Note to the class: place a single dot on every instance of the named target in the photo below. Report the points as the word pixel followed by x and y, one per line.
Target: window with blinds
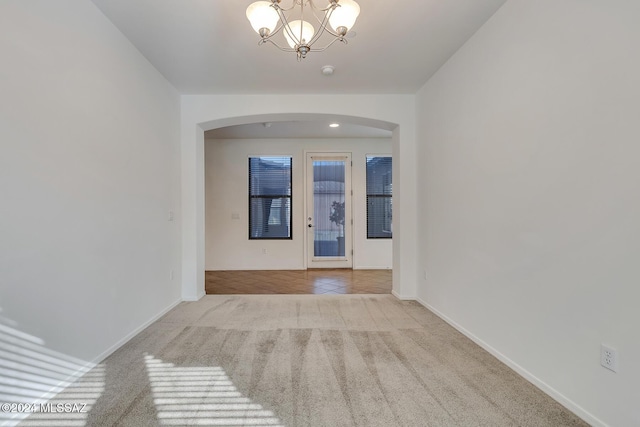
pixel 379 200
pixel 270 197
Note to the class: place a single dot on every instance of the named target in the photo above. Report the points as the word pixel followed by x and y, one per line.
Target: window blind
pixel 379 197
pixel 270 197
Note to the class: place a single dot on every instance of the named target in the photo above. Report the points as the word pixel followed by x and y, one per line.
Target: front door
pixel 328 210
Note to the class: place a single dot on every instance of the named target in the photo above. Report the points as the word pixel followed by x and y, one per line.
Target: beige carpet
pixel 304 360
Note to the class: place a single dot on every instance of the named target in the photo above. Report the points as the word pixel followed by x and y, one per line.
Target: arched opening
pixel 241 236
pixel 229 111
pixel 306 207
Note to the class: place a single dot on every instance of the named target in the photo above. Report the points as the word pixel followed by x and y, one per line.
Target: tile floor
pixel 318 281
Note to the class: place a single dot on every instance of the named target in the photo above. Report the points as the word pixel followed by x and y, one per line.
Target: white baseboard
pixel 84 367
pixel 133 333
pixel 402 297
pixel 553 393
pixel 251 268
pixel 374 267
pixel 197 298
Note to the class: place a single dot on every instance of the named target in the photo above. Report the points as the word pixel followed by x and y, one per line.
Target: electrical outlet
pixel 171 275
pixel 424 274
pixel 609 357
pixel 264 251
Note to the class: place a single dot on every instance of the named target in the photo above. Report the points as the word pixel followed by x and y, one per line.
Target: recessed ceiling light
pixel 334 125
pixel 327 70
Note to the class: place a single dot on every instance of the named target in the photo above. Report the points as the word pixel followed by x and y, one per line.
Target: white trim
pixel 373 267
pixel 401 297
pixel 544 387
pixel 87 366
pixel 268 268
pixel 133 333
pixel 197 298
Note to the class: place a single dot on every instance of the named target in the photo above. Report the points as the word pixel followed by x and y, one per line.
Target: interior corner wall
pixel 89 172
pixel 530 193
pixel 227 245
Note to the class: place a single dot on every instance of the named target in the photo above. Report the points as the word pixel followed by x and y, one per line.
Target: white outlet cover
pixel 609 357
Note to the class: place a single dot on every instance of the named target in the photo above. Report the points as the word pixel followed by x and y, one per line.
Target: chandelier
pixel 268 18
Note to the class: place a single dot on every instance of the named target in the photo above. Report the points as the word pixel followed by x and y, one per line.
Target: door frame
pixel 328 262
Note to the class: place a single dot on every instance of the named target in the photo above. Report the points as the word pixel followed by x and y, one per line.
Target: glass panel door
pixel 329 210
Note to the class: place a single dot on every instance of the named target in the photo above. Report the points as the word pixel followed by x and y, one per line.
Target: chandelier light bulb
pixel 261 15
pixel 270 19
pixel 344 15
pixel 307 33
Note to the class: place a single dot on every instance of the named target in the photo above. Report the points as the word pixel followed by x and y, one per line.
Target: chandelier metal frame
pixel 303 47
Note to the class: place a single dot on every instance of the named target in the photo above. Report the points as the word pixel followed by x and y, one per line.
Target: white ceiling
pixel 208 46
pixel 297 129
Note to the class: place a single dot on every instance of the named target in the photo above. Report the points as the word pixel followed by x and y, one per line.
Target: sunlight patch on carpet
pixel 202 396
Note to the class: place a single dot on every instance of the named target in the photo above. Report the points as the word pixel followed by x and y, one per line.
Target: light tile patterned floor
pixel 317 281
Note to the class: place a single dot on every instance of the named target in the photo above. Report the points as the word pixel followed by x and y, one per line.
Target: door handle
pixel 309 225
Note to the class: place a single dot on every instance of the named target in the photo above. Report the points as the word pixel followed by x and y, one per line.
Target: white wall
pixel 531 195
pixel 89 169
pixel 204 112
pixel 227 244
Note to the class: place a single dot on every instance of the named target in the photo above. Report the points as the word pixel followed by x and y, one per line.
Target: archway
pixel 222 111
